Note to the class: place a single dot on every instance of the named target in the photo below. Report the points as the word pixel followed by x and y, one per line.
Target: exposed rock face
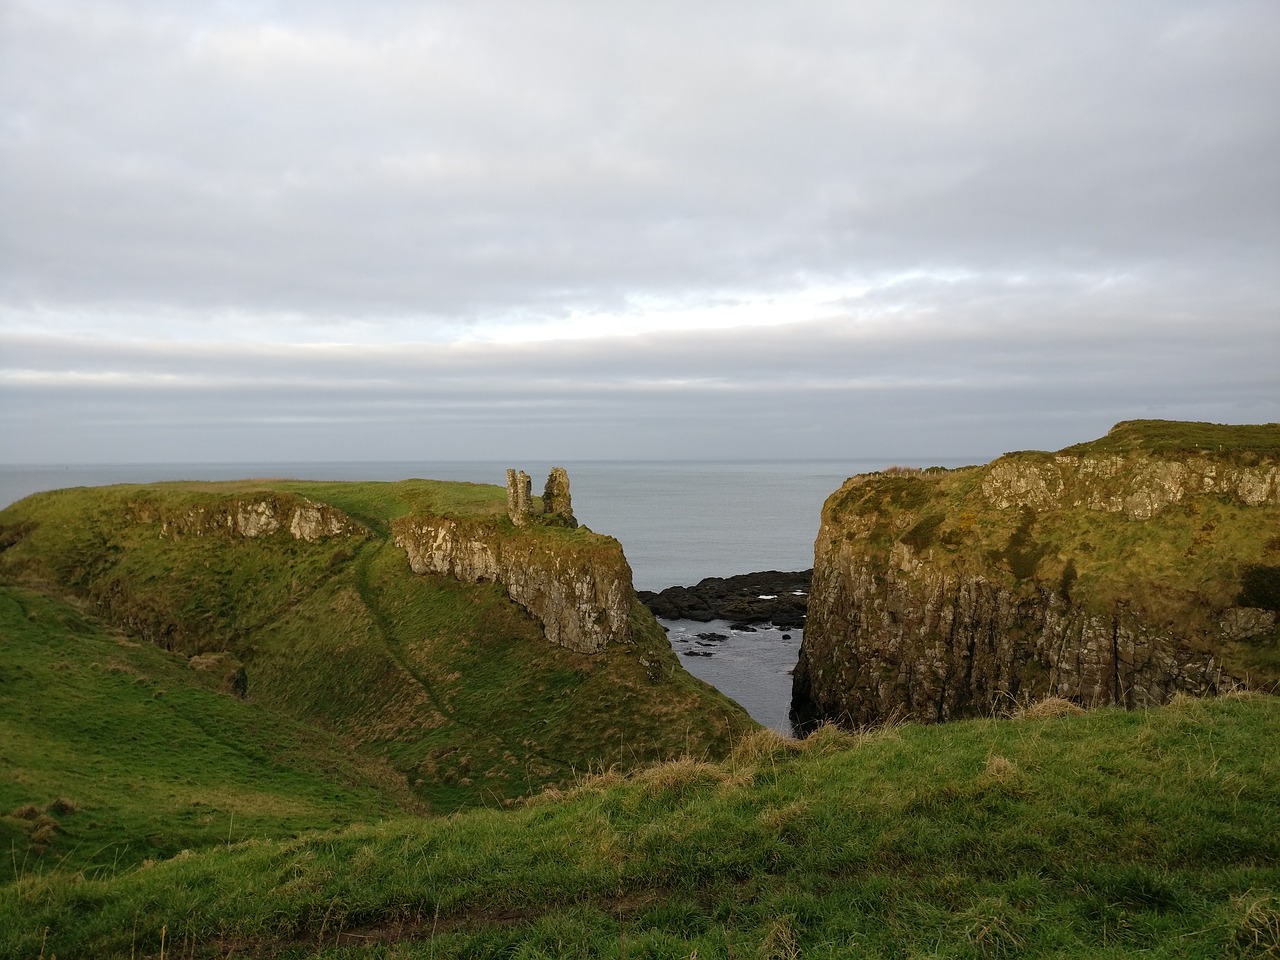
pixel 1097 576
pixel 578 586
pixel 1116 484
pixel 257 516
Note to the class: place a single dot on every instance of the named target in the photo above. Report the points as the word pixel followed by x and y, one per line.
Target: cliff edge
pixel 1119 571
pixel 576 584
pixel 526 660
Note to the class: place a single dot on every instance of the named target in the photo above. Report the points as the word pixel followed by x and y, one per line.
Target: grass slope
pixel 112 752
pixel 1112 834
pixel 451 685
pixel 1244 443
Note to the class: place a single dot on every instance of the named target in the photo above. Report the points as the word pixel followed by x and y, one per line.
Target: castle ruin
pixel 556 507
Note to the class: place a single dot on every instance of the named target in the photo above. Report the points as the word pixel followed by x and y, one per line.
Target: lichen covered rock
pixel 1104 573
pixel 258 515
pixel 578 585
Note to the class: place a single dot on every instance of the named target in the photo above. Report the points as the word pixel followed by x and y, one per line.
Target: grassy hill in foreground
pixel 113 751
pixel 1110 834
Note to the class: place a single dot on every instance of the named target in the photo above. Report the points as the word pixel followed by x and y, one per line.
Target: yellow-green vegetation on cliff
pixel 1111 834
pixel 1117 571
pixel 289 606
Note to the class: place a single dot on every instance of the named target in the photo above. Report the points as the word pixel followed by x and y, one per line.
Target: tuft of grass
pixel 765 744
pixel 1048 708
pixel 1256 931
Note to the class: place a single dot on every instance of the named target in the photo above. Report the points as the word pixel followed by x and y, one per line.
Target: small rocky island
pixel 770 596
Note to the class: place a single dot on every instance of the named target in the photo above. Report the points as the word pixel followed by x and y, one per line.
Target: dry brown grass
pixel 999 770
pixel 763 744
pixel 1049 708
pixel 675 776
pixel 829 738
pixel 1257 932
pixel 791 814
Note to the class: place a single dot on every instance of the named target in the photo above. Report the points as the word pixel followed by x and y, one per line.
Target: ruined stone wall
pixel 556 507
pixel 519 497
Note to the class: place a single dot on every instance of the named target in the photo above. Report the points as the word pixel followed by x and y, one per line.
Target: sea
pixel 679 521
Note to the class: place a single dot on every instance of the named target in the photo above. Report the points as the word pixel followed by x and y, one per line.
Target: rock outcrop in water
pixel 769 596
pixel 1120 571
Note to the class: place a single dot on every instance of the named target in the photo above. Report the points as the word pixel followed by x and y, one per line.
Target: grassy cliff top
pixel 374 503
pixel 1175 438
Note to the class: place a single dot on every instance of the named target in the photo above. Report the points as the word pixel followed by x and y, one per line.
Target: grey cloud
pixel 841 388
pixel 446 162
pixel 1034 219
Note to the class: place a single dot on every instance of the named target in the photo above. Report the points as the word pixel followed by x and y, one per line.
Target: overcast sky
pixel 380 230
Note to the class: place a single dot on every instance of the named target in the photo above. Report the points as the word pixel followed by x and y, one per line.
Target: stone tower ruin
pixel 557 505
pixel 556 502
pixel 519 497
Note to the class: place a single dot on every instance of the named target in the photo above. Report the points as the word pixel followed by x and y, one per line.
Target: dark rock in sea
pixel 742 628
pixel 770 596
pixel 715 637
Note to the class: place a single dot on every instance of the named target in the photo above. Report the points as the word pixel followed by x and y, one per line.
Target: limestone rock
pixel 255 516
pixel 580 591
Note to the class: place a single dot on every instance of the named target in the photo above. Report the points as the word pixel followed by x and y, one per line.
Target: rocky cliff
pixel 1120 571
pixel 577 583
pixel 293 595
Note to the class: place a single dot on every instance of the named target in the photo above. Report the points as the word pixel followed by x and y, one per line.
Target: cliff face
pixel 577 584
pixel 1118 572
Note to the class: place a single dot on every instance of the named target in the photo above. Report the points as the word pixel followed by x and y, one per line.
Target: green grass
pixel 368 796
pixel 377 503
pixel 1246 443
pixel 450 685
pixel 1112 834
pixel 113 751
